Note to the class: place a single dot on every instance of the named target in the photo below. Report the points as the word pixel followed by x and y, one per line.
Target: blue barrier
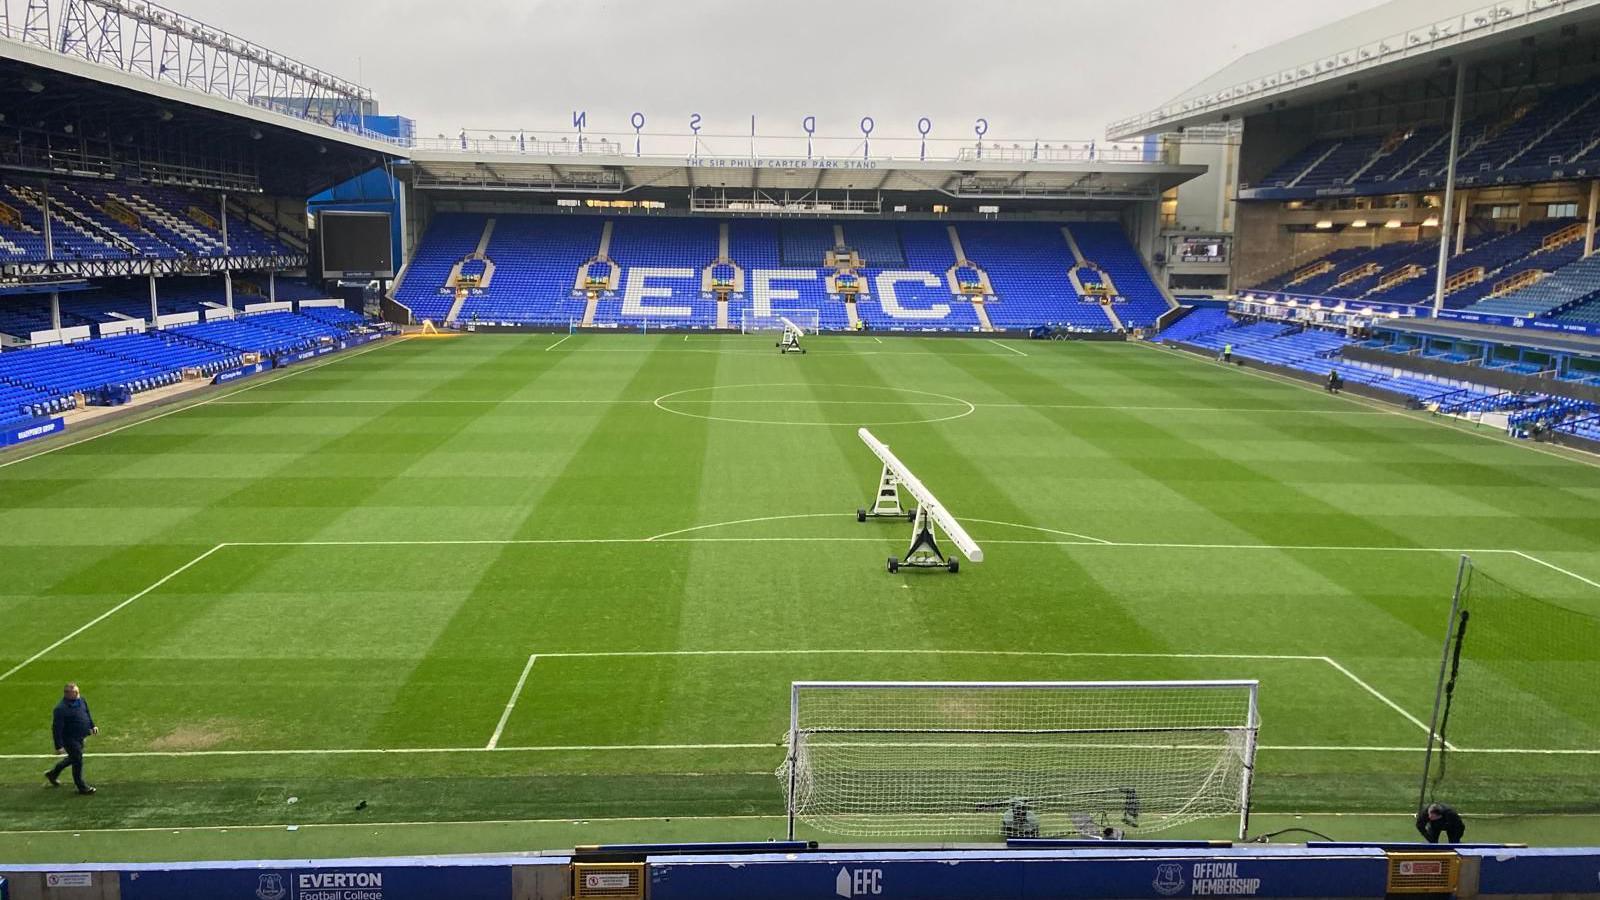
pixel 354 879
pixel 384 878
pixel 1020 875
pixel 31 430
pixel 1119 871
pixel 1551 871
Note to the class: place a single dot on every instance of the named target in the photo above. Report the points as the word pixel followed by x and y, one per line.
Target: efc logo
pixel 1169 879
pixel 858 883
pixel 270 887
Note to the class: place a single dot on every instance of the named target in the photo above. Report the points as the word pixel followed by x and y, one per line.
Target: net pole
pixel 1252 725
pixel 794 751
pixel 1463 572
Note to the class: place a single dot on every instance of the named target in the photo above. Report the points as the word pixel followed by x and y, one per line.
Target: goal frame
pixel 809 320
pixel 1251 727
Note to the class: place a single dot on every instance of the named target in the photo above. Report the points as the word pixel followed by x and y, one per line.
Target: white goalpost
pixel 802 322
pixel 1018 759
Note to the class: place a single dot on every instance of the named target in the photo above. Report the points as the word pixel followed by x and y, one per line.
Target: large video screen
pixel 356 244
pixel 1213 250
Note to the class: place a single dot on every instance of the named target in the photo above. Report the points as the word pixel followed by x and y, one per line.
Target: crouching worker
pixel 1439 819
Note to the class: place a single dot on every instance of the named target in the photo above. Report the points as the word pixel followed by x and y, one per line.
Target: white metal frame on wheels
pixel 924 552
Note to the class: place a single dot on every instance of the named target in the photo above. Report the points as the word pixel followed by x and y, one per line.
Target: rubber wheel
pixel 861 515
pixel 894 565
pixel 911 515
pixel 802 351
pixel 955 566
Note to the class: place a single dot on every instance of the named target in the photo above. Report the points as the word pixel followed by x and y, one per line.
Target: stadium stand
pixel 1557 128
pixel 1318 352
pixel 1106 246
pixel 1569 285
pixel 119 221
pixel 538 258
pixel 116 299
pixel 1490 257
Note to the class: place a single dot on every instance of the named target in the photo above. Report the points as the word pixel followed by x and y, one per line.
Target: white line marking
pixel 664 402
pixel 112 611
pixel 878 339
pixel 1549 565
pixel 569 337
pixel 333 401
pixel 1006 347
pixel 671 748
pixel 872 651
pixel 663 539
pixel 1385 700
pixel 505 717
pixel 667 534
pixel 1041 528
pixel 183 407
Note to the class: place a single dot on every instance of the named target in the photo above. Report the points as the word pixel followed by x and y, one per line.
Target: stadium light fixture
pixel 1393 223
pixel 1359 223
pixel 1325 224
pixel 1430 222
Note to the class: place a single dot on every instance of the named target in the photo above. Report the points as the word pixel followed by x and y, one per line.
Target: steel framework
pixel 147 39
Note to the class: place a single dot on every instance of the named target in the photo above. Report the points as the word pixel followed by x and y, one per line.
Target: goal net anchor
pixel 926 519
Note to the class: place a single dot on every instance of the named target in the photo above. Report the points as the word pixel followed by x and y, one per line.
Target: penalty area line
pixel 112 611
pixel 505 717
pixel 1384 699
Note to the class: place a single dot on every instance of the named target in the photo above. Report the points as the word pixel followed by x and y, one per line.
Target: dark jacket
pixel 72 722
pixel 1449 824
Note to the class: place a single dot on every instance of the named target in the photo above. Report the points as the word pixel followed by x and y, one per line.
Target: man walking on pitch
pixel 71 725
pixel 1439 818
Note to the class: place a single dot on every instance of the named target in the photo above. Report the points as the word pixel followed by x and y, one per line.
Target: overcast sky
pixel 1046 69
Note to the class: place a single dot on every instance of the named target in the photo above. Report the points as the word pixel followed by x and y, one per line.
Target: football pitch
pixel 522 591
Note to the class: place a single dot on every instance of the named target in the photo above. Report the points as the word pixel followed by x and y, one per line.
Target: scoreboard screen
pixel 1201 250
pixel 356 244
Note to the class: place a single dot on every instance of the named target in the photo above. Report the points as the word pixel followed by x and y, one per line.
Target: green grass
pixel 310 597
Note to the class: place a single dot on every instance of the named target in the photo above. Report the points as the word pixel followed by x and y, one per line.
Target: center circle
pixel 805 403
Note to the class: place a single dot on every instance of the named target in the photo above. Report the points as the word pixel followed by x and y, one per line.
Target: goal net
pixel 809 321
pixel 1517 715
pixel 1019 759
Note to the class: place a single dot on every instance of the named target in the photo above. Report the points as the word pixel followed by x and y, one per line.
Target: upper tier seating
pixel 1568 285
pixel 164 224
pixel 1560 127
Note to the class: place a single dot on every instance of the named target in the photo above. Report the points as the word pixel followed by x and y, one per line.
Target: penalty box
pixel 395 644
